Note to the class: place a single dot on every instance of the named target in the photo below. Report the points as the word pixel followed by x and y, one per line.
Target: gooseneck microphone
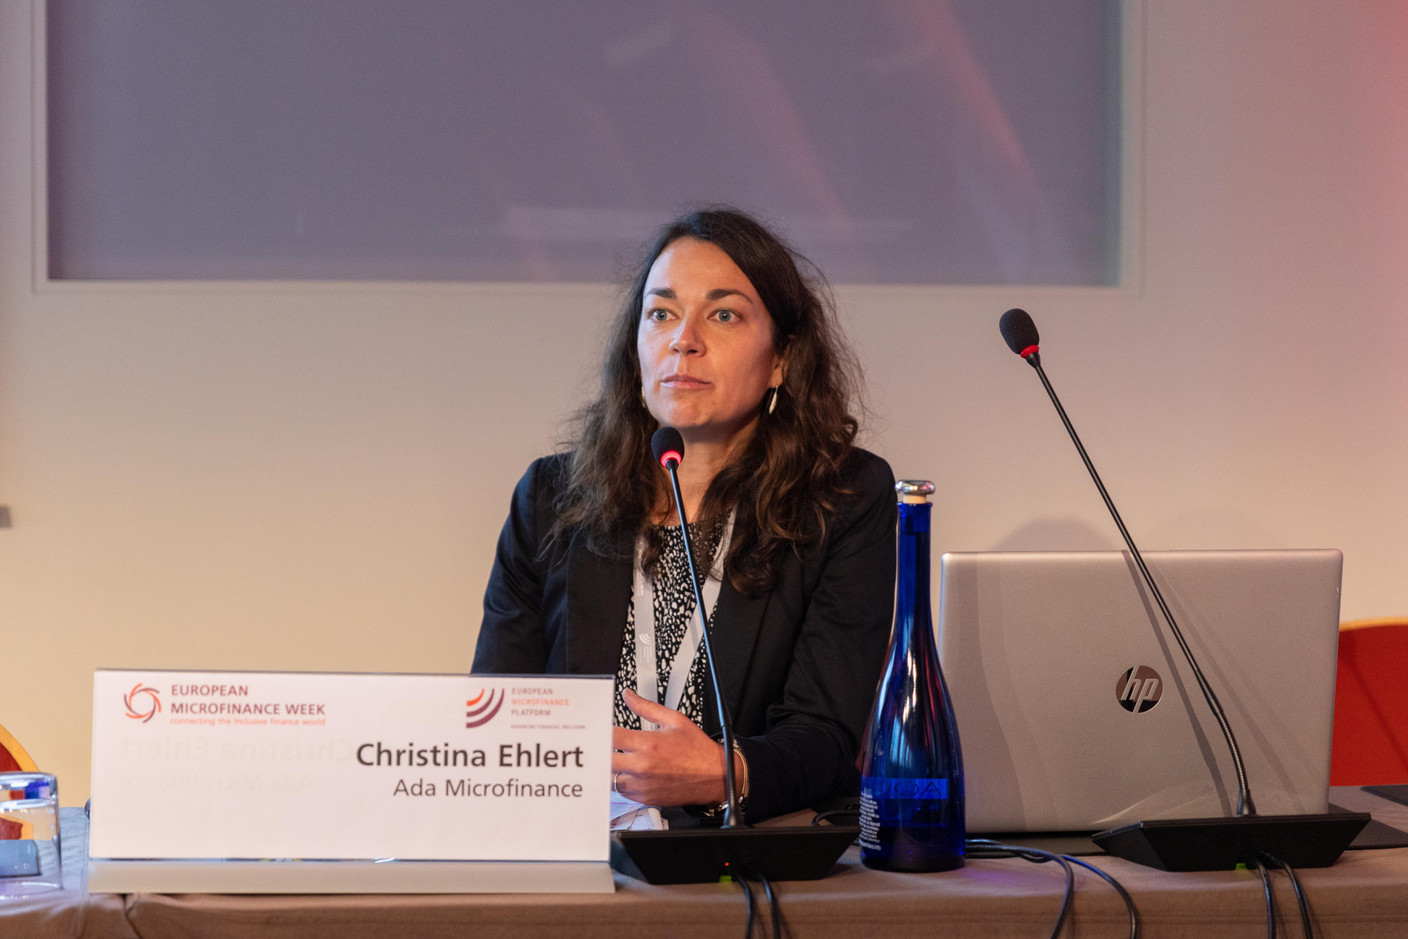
pixel 1196 844
pixel 1021 335
pixel 1020 332
pixel 668 446
pixel 702 855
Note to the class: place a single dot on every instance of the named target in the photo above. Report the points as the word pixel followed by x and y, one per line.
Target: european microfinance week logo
pixel 143 703
pixel 480 709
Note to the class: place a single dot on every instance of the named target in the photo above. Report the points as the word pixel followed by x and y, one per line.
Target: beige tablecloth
pixel 1365 895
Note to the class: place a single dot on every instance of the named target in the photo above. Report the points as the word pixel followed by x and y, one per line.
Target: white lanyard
pixel 643 592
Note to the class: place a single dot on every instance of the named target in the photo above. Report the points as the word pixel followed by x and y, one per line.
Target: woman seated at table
pixel 722 338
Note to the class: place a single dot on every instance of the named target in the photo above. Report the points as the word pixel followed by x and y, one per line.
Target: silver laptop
pixel 1077 712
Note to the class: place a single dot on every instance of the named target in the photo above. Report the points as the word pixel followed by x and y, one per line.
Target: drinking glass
pixel 29 834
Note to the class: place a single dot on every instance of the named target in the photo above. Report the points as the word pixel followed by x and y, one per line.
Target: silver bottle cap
pixel 914 491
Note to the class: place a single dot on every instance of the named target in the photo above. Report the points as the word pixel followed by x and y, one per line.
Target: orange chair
pixel 12 759
pixel 12 755
pixel 1370 746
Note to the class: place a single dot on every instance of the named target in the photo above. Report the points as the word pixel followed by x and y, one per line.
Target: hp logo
pixel 1139 689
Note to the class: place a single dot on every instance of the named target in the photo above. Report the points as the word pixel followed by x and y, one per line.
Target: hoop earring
pixel 773 395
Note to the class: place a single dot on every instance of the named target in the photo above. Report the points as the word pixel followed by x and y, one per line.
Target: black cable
pixel 981 847
pixel 820 817
pixel 776 909
pixel 1119 888
pixel 1300 894
pixel 752 906
pixel 1270 899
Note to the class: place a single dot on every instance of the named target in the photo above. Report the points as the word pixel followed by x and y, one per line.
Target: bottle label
pixel 885 787
pixel 869 822
pixel 891 804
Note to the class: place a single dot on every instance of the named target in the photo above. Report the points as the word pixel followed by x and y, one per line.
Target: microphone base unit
pixel 704 855
pixel 1220 844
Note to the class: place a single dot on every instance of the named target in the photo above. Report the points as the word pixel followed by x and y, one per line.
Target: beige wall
pixel 311 476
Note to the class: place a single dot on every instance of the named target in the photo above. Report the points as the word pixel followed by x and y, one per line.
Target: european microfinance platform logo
pixel 143 703
pixel 480 709
pixel 1139 689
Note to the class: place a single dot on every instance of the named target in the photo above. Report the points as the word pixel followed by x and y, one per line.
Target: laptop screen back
pixel 1077 711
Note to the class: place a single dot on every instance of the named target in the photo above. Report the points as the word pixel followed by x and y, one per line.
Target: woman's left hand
pixel 678 764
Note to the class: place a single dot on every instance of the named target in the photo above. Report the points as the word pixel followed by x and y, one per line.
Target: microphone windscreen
pixel 667 440
pixel 1019 330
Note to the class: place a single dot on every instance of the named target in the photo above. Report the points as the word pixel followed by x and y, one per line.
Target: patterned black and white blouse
pixel 674 609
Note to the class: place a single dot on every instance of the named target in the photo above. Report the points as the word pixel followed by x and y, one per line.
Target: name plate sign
pixel 228 765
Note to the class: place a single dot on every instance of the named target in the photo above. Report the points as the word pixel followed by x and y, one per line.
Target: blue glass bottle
pixel 911 797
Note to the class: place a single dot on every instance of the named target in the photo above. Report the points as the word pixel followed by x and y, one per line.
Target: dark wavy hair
pixel 789 473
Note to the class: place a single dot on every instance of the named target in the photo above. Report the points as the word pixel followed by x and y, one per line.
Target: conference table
pixel 1364 895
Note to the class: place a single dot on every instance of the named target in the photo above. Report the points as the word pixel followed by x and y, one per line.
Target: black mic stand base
pixel 1220 844
pixel 704 855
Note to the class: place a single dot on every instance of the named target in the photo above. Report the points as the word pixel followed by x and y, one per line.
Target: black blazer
pixel 798 666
